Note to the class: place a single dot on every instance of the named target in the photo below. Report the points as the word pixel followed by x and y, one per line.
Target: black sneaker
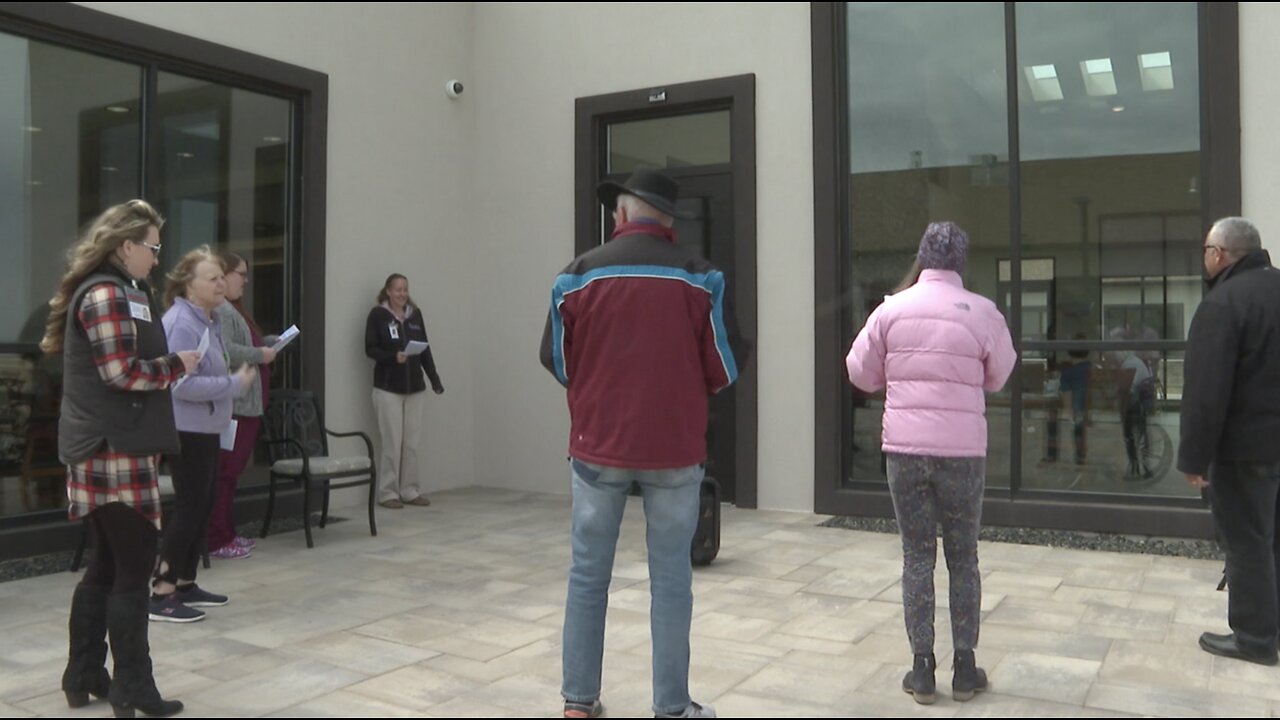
pixel 692 710
pixel 192 596
pixel 170 609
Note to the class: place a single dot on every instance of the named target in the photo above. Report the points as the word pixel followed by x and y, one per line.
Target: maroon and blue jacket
pixel 640 334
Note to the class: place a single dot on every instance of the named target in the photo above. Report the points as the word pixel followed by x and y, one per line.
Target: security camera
pixel 453 88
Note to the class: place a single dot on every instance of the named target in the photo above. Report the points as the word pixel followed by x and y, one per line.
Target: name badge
pixel 395 331
pixel 139 307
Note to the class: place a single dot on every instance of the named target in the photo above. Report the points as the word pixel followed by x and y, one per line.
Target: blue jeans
pixel 671 516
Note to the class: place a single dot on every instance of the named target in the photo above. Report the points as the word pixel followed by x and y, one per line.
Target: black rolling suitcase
pixel 706 538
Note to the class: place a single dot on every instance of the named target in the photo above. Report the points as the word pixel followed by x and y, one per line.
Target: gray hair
pixel 637 208
pixel 1236 235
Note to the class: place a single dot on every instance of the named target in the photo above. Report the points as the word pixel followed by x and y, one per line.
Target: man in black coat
pixel 1231 429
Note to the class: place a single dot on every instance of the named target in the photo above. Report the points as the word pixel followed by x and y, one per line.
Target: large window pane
pixel 69 143
pixel 69 136
pixel 1109 110
pixel 221 180
pixel 928 141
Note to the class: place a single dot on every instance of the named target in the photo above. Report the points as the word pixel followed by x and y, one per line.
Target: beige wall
pixel 531 63
pixel 474 198
pixel 400 172
pixel 1259 109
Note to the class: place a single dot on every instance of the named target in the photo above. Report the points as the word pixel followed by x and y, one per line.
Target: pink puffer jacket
pixel 937 346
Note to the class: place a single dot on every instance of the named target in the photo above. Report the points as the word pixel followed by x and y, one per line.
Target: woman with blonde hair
pixel 202 412
pixel 116 420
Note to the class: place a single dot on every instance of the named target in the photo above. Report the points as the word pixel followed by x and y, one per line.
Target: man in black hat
pixel 1230 422
pixel 639 333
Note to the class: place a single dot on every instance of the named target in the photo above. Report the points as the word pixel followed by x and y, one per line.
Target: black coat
pixel 384 336
pixel 1231 393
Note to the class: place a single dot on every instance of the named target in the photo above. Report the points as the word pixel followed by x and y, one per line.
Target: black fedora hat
pixel 650 186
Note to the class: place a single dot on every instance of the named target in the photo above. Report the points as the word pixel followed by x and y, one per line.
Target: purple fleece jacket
pixel 202 400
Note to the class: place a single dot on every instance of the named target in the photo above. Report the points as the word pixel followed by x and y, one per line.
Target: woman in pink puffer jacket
pixel 935 348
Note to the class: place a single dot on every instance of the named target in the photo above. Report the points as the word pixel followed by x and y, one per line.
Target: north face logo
pixel 963 306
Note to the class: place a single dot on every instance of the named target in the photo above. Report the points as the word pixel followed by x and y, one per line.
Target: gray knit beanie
pixel 943 247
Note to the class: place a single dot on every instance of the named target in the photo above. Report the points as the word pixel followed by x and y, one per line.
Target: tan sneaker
pixel 393 503
pixel 420 501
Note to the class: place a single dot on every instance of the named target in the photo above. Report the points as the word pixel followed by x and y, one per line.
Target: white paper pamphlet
pixel 203 347
pixel 286 337
pixel 227 439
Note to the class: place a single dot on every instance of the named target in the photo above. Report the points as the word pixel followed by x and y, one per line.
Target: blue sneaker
pixel 170 609
pixel 192 596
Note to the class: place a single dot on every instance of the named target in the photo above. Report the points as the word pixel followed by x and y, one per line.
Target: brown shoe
pixel 393 503
pixel 420 501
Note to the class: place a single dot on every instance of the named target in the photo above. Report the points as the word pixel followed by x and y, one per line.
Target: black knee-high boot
pixel 86 672
pixel 134 687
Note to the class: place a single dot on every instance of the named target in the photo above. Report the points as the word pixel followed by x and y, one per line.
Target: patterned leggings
pixel 927 491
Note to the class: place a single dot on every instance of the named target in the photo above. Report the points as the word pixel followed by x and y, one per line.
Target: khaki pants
pixel 400 424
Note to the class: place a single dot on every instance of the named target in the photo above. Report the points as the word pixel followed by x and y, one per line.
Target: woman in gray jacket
pixel 245 345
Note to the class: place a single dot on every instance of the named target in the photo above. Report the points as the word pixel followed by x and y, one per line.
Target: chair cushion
pixel 322 465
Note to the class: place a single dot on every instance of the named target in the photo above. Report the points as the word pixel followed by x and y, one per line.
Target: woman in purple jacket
pixel 202 411
pixel 935 347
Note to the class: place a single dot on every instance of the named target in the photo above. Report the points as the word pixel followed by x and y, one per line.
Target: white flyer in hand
pixel 203 347
pixel 286 337
pixel 227 438
pixel 414 347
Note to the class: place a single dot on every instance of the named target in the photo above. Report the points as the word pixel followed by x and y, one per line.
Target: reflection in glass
pixel 221 181
pixel 1109 215
pixel 69 141
pixel 1110 170
pixel 678 141
pixel 31 477
pixel 67 155
pixel 1102 422
pixel 928 140
pixel 70 130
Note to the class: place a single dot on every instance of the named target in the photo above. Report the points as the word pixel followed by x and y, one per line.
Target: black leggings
pixel 124 549
pixel 195 484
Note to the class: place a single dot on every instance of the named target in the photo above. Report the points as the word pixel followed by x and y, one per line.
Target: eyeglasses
pixel 1219 248
pixel 155 249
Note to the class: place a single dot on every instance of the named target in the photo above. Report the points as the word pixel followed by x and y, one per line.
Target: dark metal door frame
pixel 736 94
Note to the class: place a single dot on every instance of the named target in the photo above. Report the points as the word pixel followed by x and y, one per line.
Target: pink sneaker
pixel 231 551
pixel 244 542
